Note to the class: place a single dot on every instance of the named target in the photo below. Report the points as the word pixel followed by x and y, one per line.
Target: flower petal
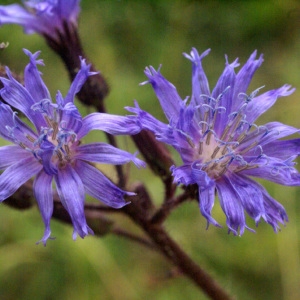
pixel 16 14
pixel 275 212
pixel 260 104
pixel 16 175
pixel 273 169
pixel 17 96
pixel 79 80
pixel 42 188
pixel 113 124
pixel 11 154
pixel 199 80
pixel 206 203
pixel 235 217
pixel 10 121
pixel 100 187
pixel 165 92
pixel 71 193
pixel 250 195
pixel 105 153
pixel 32 78
pixel 282 149
pixel 244 77
pixel 223 92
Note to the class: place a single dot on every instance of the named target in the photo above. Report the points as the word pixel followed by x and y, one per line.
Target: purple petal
pixel 250 195
pixel 71 193
pixel 106 154
pixel 199 80
pixel 11 154
pixel 165 92
pixel 282 149
pixel 71 118
pixel 113 124
pixel 183 175
pixel 45 153
pixel 42 188
pixel 244 77
pixel 17 96
pixel 206 203
pixel 223 92
pixel 258 105
pixel 235 218
pixel 99 187
pixel 268 133
pixel 16 175
pixel 44 17
pixel 275 212
pixel 32 78
pixel 16 14
pixel 79 80
pixel 273 169
pixel 145 120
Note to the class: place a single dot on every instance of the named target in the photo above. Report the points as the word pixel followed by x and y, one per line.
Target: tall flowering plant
pixel 215 133
pixel 220 145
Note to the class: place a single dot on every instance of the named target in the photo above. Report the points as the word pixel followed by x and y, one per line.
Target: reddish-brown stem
pixel 177 256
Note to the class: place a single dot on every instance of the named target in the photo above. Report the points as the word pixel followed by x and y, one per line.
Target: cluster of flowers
pixel 215 134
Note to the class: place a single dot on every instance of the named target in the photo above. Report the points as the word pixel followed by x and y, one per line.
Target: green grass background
pixel 121 38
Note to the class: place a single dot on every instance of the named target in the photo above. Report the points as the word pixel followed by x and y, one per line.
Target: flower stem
pixel 171 250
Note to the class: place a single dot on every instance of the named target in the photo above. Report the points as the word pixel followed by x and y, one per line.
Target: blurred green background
pixel 121 38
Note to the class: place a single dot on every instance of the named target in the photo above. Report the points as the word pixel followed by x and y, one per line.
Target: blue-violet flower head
pixel 220 145
pixel 41 16
pixel 51 149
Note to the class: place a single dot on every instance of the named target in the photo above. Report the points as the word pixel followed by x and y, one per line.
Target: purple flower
pixel 44 17
pixel 50 149
pixel 220 145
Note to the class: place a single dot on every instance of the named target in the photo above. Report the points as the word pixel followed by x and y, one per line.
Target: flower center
pixel 53 146
pixel 224 141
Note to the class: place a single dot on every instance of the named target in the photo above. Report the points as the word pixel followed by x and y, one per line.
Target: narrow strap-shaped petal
pixel 16 14
pixel 17 96
pixel 79 80
pixel 42 188
pixel 113 124
pixel 16 175
pixel 275 212
pixel 223 93
pixel 235 217
pixel 100 187
pixel 250 195
pixel 71 193
pixel 144 120
pixel 244 77
pixel 32 77
pixel 206 203
pixel 282 149
pixel 266 134
pixel 11 154
pixel 260 104
pixel 273 169
pixel 200 84
pixel 165 92
pixel 107 154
